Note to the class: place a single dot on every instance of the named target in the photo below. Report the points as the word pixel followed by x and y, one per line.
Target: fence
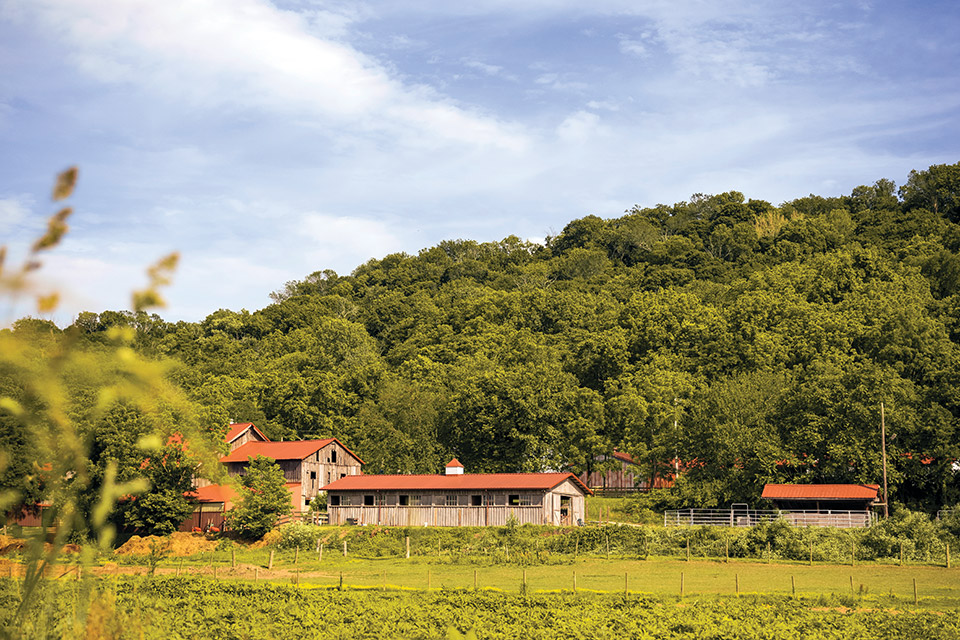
pixel 752 517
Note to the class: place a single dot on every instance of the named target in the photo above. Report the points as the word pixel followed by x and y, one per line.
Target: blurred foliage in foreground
pixel 87 430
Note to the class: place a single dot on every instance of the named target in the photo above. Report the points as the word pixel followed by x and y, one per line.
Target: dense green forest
pixel 752 342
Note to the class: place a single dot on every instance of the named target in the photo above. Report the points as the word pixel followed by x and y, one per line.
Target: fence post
pixel 270 564
pixel 408 547
pixel 811 553
pixel 726 548
pixel 688 548
pixel 574 581
pixel 320 557
pixel 626 589
pixel 344 548
pixel 916 599
pixel 736 578
pixel 793 585
pixel 681 584
pixel 256 574
pixel 233 558
pixel 524 581
pixel 948 555
pixel 851 585
pixel 179 567
pixel 296 556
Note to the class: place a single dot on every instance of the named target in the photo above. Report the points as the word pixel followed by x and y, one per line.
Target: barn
pixel 457 499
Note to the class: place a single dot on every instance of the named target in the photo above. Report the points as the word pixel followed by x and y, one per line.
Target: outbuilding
pixel 824 504
pixel 457 499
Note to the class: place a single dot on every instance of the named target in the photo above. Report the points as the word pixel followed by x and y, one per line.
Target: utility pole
pixel 676 441
pixel 883 447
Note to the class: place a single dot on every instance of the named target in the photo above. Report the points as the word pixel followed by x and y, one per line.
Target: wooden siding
pixel 313 471
pixel 335 463
pixel 248 435
pixel 564 505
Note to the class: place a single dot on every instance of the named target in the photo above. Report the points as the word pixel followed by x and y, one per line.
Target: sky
pixel 265 140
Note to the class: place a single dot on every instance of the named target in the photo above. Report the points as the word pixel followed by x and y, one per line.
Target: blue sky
pixel 267 140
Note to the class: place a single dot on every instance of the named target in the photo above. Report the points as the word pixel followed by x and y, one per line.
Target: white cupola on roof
pixel 454 468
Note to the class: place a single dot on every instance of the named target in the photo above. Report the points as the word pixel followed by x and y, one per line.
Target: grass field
pixel 938 587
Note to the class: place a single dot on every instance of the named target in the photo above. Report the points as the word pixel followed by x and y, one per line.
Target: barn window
pixel 519 500
pixel 404 501
pixel 313 475
pixel 368 501
pixel 451 500
pixel 476 501
pixel 381 499
pixel 334 501
pixel 333 456
pixel 418 501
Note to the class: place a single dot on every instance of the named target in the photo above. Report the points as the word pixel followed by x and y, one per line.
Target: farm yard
pixel 521 581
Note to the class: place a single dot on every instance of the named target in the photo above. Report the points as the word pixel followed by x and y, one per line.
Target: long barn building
pixel 457 499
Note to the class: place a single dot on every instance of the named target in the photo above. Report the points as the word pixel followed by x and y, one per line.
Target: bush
pixel 300 535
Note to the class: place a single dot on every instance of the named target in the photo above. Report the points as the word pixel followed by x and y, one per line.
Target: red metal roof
pixel 820 491
pixel 626 457
pixel 292 450
pixel 455 463
pixel 215 493
pixel 464 482
pixel 238 428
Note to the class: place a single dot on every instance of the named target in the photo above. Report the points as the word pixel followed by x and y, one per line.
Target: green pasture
pixel 937 587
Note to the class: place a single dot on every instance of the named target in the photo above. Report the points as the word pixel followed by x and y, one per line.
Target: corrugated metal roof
pixel 465 482
pixel 820 491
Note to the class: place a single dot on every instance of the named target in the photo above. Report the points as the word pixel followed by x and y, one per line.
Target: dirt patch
pixel 177 544
pixel 9 544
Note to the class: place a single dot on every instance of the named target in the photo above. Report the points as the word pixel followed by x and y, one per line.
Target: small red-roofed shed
pixel 818 497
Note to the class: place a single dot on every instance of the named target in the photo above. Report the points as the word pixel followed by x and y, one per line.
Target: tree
pixel 160 510
pixel 264 498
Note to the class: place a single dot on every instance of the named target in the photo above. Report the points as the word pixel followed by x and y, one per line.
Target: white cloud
pixel 250 54
pixel 632 46
pixel 489 69
pixel 580 126
pixel 14 211
pixel 333 237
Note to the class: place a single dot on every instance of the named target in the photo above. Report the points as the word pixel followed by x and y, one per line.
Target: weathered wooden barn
pixel 309 463
pixel 619 473
pixel 457 499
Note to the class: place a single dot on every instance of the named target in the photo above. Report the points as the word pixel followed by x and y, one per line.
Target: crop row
pixel 193 608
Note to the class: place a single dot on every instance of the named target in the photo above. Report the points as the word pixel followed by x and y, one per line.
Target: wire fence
pixel 746 517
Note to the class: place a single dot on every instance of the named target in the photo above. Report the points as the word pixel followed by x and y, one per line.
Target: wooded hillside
pixel 753 342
